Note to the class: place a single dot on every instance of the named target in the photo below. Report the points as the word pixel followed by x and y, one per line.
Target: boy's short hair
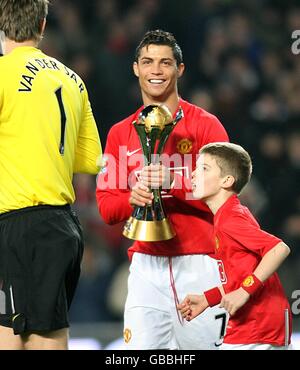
pixel 160 37
pixel 233 160
pixel 21 20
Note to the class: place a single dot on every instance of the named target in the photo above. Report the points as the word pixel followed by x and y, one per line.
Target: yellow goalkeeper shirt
pixel 47 130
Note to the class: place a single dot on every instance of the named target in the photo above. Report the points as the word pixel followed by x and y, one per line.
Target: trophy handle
pixel 158 206
pixel 152 211
pixel 150 222
pixel 167 130
pixel 144 142
pixel 156 209
pixel 140 212
pixel 164 137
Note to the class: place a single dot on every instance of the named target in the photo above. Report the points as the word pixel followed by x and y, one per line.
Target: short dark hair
pixel 21 20
pixel 233 160
pixel 160 37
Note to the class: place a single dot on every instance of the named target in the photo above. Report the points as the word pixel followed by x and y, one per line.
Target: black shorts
pixel 40 254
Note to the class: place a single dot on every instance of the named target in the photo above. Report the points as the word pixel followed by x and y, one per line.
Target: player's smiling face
pixel 157 72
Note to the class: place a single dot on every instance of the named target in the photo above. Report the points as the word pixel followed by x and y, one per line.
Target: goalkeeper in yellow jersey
pixel 47 133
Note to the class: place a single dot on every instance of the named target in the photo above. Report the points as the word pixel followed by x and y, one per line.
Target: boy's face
pixel 206 179
pixel 157 72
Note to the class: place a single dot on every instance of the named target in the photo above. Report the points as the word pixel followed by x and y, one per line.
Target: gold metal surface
pixel 159 117
pixel 148 231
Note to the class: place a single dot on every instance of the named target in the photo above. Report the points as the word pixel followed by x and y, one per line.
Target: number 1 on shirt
pixel 63 120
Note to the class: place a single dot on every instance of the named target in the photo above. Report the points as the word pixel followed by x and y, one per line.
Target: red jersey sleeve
pixel 214 131
pixel 112 199
pixel 245 231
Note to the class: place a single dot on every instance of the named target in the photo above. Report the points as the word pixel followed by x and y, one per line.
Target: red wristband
pixel 251 284
pixel 213 296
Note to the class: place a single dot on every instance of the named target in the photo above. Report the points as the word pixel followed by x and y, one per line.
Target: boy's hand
pixel 234 300
pixel 192 306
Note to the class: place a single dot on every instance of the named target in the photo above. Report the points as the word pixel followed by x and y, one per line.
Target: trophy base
pixel 148 231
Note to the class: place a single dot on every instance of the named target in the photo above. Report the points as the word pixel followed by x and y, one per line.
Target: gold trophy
pixel 150 223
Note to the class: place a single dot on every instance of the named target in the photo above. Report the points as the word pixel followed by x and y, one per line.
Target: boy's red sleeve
pixel 249 235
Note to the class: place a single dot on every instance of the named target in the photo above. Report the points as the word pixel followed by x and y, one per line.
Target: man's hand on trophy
pixel 140 195
pixel 157 176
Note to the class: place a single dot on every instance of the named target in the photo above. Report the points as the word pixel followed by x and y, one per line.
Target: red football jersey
pixel 241 244
pixel 192 220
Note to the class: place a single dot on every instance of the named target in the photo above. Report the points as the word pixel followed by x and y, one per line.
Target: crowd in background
pixel 239 66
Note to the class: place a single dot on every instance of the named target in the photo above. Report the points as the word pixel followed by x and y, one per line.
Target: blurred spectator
pixel 90 301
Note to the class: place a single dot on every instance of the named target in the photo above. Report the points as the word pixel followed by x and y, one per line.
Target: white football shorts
pixel 155 284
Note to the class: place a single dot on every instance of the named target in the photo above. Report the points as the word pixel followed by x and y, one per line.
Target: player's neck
pixel 216 202
pixel 10 45
pixel 171 101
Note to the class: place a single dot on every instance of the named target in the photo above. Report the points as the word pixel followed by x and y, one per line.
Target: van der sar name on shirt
pixel 40 64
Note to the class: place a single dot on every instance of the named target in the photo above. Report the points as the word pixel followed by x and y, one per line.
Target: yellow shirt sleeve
pixel 88 144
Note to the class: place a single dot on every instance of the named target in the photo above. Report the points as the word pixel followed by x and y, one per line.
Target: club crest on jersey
pixel 127 335
pixel 184 146
pixel 249 281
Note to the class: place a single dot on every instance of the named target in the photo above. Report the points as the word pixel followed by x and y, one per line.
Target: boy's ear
pixel 228 181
